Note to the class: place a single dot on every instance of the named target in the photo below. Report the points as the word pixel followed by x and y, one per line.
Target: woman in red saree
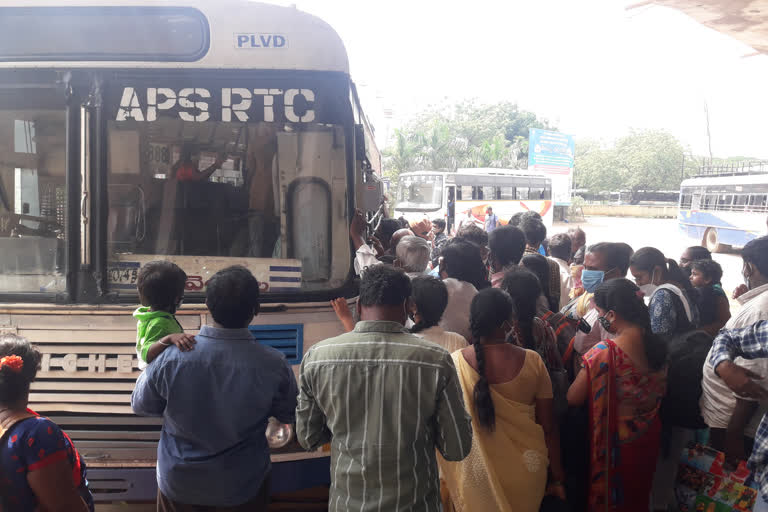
pixel 622 384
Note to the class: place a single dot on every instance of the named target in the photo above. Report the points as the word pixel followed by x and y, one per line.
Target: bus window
pixel 32 191
pixel 686 200
pixel 507 193
pixel 420 191
pixel 536 193
pixel 464 193
pixel 523 193
pixel 724 202
pixel 740 202
pixel 489 193
pixel 710 200
pixel 477 193
pixel 758 203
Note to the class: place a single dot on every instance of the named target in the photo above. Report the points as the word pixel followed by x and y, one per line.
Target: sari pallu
pixel 623 450
pixel 506 470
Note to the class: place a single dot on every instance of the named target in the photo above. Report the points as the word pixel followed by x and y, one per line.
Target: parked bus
pixel 727 209
pixel 108 110
pixel 454 195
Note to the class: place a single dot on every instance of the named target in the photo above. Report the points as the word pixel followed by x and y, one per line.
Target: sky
pixel 592 67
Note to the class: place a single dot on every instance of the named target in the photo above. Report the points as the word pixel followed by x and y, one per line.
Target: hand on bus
pixel 357 229
pixel 183 341
pixel 343 313
pixel 377 246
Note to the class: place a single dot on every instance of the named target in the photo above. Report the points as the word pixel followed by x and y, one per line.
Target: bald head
pixel 397 236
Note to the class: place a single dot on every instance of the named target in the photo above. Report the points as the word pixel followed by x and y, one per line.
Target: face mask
pixel 650 288
pixel 591 279
pixel 604 323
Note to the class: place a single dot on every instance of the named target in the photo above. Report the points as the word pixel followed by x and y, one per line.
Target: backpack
pixel 685 367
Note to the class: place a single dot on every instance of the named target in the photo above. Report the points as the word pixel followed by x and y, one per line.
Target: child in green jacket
pixel 161 290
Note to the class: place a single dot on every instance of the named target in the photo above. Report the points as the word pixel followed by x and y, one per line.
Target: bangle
pixel 165 344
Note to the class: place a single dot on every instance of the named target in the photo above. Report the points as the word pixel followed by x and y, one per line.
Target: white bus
pixel 467 193
pixel 723 207
pixel 108 110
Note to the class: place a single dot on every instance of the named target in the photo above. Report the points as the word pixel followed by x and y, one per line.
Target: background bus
pixel 725 207
pixel 100 105
pixel 451 195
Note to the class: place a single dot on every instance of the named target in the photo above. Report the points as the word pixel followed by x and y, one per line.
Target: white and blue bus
pixel 207 133
pixel 725 209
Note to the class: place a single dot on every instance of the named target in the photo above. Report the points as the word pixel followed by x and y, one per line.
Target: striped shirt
pixel 384 399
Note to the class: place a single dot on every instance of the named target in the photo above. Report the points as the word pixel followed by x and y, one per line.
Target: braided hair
pixel 489 310
pixel 430 296
pixel 622 296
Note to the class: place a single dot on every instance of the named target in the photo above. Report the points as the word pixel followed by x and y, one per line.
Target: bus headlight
pixel 278 434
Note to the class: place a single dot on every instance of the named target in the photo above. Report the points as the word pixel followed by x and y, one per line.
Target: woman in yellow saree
pixel 509 395
pixel 623 382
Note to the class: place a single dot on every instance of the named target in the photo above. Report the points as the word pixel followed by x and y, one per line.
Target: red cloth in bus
pixel 187 172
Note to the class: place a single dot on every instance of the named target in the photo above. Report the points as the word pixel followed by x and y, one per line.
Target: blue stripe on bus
pixel 281 279
pixel 284 269
pixel 124 264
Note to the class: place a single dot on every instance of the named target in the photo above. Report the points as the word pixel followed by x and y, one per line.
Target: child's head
pixel 705 273
pixel 161 285
pixel 429 298
pixel 232 297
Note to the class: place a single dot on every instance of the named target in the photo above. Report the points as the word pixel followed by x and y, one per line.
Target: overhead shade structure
pixel 744 20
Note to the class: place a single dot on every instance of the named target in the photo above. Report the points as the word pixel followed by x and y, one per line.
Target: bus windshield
pixel 422 192
pixel 207 187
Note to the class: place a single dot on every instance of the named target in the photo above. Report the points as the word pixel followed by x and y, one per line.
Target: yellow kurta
pixel 506 469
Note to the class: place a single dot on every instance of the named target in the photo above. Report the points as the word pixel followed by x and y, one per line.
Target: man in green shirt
pixel 385 400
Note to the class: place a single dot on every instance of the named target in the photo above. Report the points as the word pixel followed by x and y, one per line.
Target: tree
pixel 465 134
pixel 402 156
pixel 641 160
pixel 649 160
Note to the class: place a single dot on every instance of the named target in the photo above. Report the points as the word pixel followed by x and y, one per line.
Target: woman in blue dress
pixel 39 466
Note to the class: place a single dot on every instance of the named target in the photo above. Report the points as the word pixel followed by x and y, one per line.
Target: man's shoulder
pixel 367 341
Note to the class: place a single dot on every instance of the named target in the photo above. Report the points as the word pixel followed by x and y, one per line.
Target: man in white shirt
pixel 732 418
pixel 560 251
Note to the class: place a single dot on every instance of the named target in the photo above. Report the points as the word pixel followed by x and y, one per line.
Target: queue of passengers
pixel 495 370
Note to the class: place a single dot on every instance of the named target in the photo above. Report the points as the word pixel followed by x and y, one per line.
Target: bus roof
pixel 241 36
pixel 750 179
pixel 480 171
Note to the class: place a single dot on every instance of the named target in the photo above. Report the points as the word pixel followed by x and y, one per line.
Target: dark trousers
pixel 258 504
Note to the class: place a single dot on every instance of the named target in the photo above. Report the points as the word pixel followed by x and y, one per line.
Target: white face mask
pixel 650 288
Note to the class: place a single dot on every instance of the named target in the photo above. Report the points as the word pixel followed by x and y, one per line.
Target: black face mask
pixel 605 323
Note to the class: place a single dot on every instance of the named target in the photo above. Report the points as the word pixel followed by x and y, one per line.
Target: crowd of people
pixel 499 369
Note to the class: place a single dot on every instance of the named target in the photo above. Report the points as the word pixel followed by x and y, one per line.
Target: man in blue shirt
pixel 750 343
pixel 216 401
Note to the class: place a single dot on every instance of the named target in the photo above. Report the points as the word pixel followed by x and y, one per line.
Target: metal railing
pixel 742 168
